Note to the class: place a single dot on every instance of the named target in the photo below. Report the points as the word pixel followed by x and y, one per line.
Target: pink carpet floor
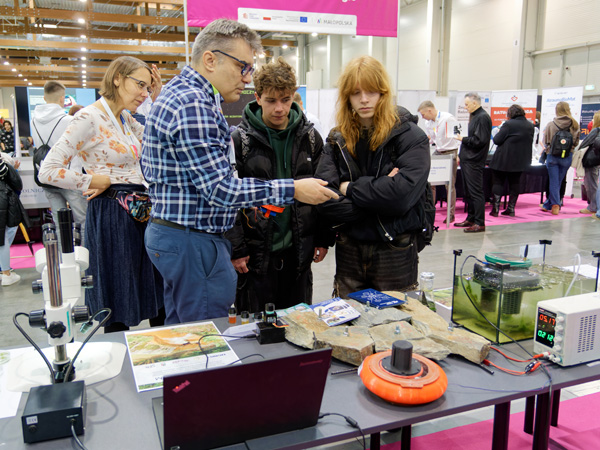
pixel 21 257
pixel 578 429
pixel 527 210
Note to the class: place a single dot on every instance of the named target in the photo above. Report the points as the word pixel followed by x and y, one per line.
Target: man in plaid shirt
pixel 189 165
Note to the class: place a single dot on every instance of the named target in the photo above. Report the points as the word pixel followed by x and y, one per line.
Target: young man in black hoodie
pixel 273 246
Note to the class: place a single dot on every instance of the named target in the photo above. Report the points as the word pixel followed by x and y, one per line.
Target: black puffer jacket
pixel 252 233
pixel 11 210
pixel 377 207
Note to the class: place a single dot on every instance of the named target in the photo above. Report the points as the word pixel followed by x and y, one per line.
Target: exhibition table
pixel 118 417
pixel 534 179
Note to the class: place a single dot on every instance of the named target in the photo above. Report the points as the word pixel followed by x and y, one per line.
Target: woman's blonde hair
pixel 370 75
pixel 124 66
pixel 596 122
pixel 563 109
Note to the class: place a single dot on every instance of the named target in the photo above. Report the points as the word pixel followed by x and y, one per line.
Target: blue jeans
pixel 557 169
pixel 9 237
pixel 199 278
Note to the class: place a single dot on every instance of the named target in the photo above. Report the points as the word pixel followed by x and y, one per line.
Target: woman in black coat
pixel 512 157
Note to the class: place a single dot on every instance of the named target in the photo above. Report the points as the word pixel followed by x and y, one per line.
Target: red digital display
pixel 546 323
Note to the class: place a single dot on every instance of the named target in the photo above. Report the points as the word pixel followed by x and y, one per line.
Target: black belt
pixel 113 193
pixel 178 226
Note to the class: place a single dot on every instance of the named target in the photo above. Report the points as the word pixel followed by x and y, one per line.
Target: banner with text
pixel 351 17
pixel 502 100
pixel 550 97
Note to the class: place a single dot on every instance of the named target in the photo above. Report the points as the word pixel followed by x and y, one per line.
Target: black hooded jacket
pixel 252 233
pixel 11 209
pixel 378 207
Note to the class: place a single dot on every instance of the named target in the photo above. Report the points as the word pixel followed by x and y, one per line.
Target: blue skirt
pixel 124 278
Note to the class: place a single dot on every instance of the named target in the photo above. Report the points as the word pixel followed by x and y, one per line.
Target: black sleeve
pixel 589 139
pixel 342 209
pixel 502 134
pixel 482 132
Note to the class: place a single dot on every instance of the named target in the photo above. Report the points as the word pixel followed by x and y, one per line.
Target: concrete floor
pixel 569 236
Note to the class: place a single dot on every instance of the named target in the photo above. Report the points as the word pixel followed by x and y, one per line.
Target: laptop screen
pixel 232 404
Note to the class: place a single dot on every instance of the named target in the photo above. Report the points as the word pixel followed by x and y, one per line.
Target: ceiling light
pixel 83 36
pixel 314 34
pixel 81 20
pixel 6 63
pixel 83 58
pixel 49 25
pixel 83 49
pixel 84 76
pixel 83 71
pixel 30 83
pixel 13 69
pixel 84 65
pixel 284 46
pixel 20 74
pixel 262 55
pixel 24 79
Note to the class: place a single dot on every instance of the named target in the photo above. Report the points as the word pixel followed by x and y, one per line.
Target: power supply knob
pixel 560 319
pixel 558 339
pixel 557 348
pixel 559 328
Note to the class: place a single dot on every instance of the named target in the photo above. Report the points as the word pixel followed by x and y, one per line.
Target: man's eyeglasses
pixel 247 68
pixel 141 85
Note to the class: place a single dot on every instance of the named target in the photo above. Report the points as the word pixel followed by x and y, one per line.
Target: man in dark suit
pixel 472 155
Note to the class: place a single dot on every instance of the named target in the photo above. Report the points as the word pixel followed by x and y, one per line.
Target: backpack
pixel 427 213
pixel 591 157
pixel 40 153
pixel 562 142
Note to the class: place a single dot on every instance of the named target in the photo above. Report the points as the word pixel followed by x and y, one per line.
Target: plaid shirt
pixel 185 159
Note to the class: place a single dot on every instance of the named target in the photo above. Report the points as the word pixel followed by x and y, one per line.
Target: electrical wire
pixel 205 353
pixel 245 357
pixel 77 441
pixel 39 350
pixel 103 310
pixel 577 259
pixel 353 423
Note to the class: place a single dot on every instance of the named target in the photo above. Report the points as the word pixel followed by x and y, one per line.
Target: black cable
pixel 39 350
pixel 251 336
pixel 353 423
pixel 462 282
pixel 245 357
pixel 77 441
pixel 70 367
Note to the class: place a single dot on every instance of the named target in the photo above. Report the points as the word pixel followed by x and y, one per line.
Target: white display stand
pixel 98 361
pixel 441 174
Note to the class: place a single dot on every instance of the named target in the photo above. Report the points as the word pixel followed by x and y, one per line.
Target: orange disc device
pixel 403 378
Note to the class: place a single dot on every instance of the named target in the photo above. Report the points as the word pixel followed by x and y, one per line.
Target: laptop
pixel 233 404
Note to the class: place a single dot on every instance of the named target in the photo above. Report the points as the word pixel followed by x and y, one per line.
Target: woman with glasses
pixel 108 140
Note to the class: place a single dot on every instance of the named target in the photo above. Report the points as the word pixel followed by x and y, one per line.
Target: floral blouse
pixel 103 148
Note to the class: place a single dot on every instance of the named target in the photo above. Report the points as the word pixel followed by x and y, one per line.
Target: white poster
pixel 550 97
pixel 458 110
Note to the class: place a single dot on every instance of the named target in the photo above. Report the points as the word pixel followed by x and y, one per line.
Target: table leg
pixel 555 405
pixel 405 437
pixel 541 431
pixel 529 414
pixel 375 441
pixel 501 422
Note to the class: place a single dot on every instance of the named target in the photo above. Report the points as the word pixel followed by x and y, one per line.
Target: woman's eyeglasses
pixel 141 85
pixel 247 68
